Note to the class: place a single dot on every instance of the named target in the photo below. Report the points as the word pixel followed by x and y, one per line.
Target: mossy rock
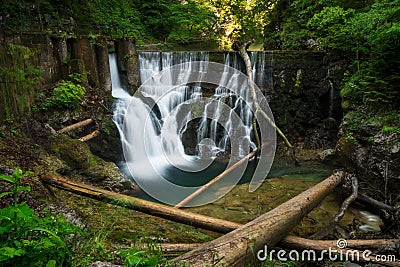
pixel 108 144
pixel 345 150
pixel 78 157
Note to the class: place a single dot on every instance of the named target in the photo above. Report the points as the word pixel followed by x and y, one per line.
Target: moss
pixel 20 81
pixel 299 79
pixel 125 226
pixel 77 156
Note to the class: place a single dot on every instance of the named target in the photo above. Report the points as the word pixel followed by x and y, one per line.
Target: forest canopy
pixel 367 32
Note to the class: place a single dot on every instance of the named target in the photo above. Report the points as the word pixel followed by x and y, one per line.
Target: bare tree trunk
pixel 213 181
pixel 351 254
pixel 89 136
pixel 249 70
pixel 75 126
pixel 233 248
pixel 304 243
pixel 155 209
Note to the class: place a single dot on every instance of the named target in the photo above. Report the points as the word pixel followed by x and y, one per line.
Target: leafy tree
pixel 240 20
pixel 191 21
pixel 144 20
pixel 365 32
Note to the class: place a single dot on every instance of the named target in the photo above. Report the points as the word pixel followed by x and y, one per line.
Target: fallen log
pixel 342 253
pixel 155 209
pixel 288 242
pixel 305 243
pixel 213 181
pixel 75 126
pixel 174 248
pixel 233 248
pixel 181 216
pixel 89 136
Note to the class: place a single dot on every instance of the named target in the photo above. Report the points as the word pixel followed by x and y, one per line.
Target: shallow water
pixel 307 172
pixel 284 182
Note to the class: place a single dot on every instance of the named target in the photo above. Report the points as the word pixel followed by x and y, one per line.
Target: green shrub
pixel 46 239
pixel 27 239
pixel 134 257
pixel 66 94
pixel 390 129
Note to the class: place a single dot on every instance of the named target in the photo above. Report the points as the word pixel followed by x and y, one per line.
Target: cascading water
pixel 150 133
pixel 331 99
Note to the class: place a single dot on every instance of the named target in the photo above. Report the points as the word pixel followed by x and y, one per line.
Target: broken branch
pixel 89 136
pixel 75 126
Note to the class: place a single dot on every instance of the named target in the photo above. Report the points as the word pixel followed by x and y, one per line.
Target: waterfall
pixel 262 69
pixel 331 98
pixel 152 126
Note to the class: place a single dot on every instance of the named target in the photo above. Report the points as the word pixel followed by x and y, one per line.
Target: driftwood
pixel 159 210
pixel 89 136
pixel 345 253
pixel 233 248
pixel 213 181
pixel 375 203
pixel 304 243
pixel 75 126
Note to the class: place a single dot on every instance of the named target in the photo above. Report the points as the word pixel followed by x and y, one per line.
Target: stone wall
pixel 56 58
pixel 305 96
pixel 302 87
pixel 303 92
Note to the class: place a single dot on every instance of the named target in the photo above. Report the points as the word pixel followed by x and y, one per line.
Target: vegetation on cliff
pixel 365 32
pixel 146 21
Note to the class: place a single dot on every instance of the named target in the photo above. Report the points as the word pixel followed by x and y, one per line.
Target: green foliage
pixel 240 20
pixel 28 239
pixel 93 248
pixel 390 129
pixel 366 31
pixel 134 257
pixel 19 80
pixel 142 20
pixel 15 181
pixel 350 137
pixel 328 25
pixel 66 94
pixel 190 21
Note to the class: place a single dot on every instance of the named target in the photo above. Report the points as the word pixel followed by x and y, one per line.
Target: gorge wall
pixel 302 87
